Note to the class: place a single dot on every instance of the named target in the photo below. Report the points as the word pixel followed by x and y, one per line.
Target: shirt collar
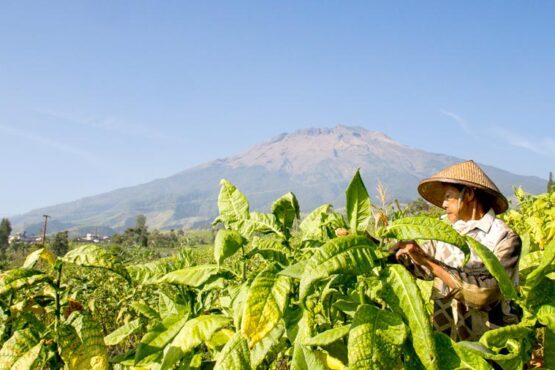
pixel 483 224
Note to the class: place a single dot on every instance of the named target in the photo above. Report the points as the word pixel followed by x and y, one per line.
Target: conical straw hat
pixel 466 173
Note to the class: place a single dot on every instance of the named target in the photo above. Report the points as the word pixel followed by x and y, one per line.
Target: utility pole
pixel 44 229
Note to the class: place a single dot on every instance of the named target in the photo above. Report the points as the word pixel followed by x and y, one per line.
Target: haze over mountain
pixel 316 164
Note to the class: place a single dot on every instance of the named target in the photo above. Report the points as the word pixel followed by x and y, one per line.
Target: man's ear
pixel 470 194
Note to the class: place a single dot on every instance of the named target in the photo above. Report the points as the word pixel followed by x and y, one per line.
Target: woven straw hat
pixel 466 173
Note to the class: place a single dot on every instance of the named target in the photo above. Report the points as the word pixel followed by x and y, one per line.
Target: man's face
pixel 451 203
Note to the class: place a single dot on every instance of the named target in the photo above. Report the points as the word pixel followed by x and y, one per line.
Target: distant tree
pixel 60 244
pixel 418 206
pixel 141 231
pixel 5 231
pixel 550 183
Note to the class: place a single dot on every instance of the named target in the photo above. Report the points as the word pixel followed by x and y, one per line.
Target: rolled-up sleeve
pixel 477 287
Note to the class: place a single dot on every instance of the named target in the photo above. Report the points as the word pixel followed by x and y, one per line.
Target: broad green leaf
pixel 265 223
pixel 402 294
pixel 497 339
pixel 346 306
pixel 220 338
pixel 328 336
pixel 426 228
pixel 28 359
pixel 238 300
pixel 292 317
pixel 376 338
pixel 17 346
pixel 147 311
pixel 305 358
pixel 452 356
pixel 234 355
pixel 347 255
pixel 495 268
pixel 92 352
pixel 70 346
pixel 168 306
pixel 265 304
pixel 542 294
pixel 528 263
pixel 271 255
pixel 358 205
pixel 481 350
pixel 546 316
pixel 91 255
pixel 508 346
pixel 122 332
pixel 150 272
pixel 271 249
pixel 263 348
pixel 192 334
pixel 158 337
pixel 233 205
pixel 311 226
pixel 269 243
pixel 410 358
pixel 295 271
pixel 193 276
pixel 42 253
pixel 19 278
pixel 286 209
pixel 547 265
pixel 227 242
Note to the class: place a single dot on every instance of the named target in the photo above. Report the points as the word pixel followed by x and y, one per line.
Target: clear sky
pixel 99 95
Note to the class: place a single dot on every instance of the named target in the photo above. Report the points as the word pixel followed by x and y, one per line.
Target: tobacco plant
pixel 280 293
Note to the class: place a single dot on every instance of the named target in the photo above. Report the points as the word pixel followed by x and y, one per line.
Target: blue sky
pixel 99 95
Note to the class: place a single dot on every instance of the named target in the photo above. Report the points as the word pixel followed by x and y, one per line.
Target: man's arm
pixel 419 257
pixel 476 288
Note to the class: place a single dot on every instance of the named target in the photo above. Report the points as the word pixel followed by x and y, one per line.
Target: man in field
pixel 467 299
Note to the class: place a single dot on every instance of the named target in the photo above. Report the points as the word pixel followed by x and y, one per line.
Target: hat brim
pixel 433 191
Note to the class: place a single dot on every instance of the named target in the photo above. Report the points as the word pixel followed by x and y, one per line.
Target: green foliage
pixel 226 244
pixel 494 267
pixel 265 304
pixel 348 255
pixel 376 338
pixel 16 348
pixel 533 218
pixel 123 332
pixel 91 255
pixel 296 296
pixel 235 355
pixel 402 294
pixel 422 227
pixel 358 205
pixel 286 209
pixel 5 231
pixel 60 244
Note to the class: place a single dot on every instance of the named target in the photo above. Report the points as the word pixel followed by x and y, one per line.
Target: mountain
pixel 316 164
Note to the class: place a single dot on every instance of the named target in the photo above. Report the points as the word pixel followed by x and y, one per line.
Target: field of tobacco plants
pixel 275 292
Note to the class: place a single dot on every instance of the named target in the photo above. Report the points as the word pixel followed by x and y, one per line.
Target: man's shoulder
pixel 502 230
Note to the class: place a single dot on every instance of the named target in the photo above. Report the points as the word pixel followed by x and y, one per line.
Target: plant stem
pixel 243 262
pixel 57 288
pixel 361 296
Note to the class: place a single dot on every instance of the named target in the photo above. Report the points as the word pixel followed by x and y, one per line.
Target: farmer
pixel 467 299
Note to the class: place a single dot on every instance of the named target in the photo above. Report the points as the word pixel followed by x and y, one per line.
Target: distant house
pixel 24 238
pixel 92 238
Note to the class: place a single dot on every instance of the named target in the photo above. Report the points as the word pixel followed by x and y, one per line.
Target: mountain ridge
pixel 316 164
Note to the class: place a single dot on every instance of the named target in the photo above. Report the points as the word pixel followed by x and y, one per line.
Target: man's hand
pixel 342 232
pixel 412 250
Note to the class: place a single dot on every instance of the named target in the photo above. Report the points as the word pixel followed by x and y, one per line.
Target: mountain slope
pixel 316 164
